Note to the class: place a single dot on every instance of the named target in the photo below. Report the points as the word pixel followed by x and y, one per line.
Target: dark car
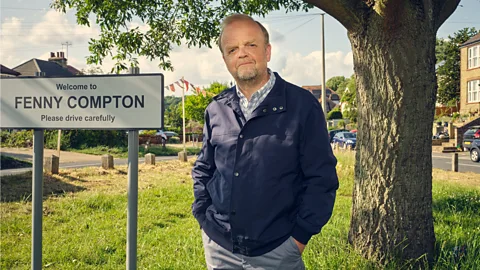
pixel 468 137
pixel 475 150
pixel 332 133
pixel 345 140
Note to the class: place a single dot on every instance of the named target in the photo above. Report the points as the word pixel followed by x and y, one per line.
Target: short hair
pixel 240 17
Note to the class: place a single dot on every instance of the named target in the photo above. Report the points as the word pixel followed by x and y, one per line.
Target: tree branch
pixel 442 10
pixel 348 12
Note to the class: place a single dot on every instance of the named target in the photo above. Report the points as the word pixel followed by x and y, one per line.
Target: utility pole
pixel 59 137
pixel 67 43
pixel 324 87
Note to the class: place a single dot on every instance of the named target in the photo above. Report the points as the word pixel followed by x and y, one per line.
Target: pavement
pixel 65 156
pixel 67 159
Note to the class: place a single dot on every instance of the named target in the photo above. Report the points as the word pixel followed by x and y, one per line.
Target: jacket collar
pixel 275 102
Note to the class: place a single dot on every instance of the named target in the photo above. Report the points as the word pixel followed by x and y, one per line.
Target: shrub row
pixel 77 139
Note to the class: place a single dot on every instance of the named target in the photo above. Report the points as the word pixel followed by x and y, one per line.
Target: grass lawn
pixel 122 152
pixel 85 212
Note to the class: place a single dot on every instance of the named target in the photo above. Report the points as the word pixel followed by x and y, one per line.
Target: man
pixel 265 179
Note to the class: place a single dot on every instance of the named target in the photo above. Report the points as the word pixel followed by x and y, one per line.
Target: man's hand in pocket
pixel 300 246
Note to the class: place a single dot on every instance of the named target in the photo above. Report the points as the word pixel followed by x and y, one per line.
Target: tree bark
pixel 394 60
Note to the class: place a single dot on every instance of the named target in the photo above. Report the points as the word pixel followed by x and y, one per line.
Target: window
pixel 474 57
pixel 473 91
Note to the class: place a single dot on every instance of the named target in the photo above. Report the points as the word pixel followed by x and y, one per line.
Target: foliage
pixel 334 114
pixel 343 87
pixel 173 116
pixel 350 97
pixel 171 100
pixel 20 138
pixel 170 23
pixel 51 139
pixel 150 132
pixel 69 138
pixel 84 222
pixel 447 52
pixel 335 82
pixel 195 105
pixel 174 140
pixel 81 139
pixel 92 70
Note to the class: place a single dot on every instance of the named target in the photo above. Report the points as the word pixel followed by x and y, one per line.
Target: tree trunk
pixel 394 63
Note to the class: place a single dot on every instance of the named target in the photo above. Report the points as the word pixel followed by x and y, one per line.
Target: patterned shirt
pixel 249 106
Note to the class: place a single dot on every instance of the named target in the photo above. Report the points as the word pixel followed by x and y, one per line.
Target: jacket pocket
pixel 219 191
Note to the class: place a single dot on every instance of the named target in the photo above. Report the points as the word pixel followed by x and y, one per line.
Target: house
pixel 6 72
pixel 333 99
pixel 470 76
pixel 469 85
pixel 56 66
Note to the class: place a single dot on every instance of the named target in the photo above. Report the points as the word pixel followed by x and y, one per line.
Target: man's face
pixel 244 51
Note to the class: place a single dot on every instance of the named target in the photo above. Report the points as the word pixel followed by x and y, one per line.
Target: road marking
pixel 459 157
pixel 470 165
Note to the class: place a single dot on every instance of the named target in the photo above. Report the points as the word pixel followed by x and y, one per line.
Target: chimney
pixel 58 58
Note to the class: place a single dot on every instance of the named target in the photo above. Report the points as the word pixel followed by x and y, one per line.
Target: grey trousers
pixel 285 257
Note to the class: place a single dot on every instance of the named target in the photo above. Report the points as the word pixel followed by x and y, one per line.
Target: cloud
pixel 307 69
pixel 200 66
pixel 22 41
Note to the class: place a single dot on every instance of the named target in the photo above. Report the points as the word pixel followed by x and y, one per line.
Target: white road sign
pixel 84 102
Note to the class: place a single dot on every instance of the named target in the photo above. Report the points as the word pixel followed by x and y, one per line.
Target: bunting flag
pixel 180 84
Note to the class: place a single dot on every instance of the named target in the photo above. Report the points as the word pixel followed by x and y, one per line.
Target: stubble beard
pixel 248 75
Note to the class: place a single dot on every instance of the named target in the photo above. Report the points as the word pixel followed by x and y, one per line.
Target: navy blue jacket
pixel 260 181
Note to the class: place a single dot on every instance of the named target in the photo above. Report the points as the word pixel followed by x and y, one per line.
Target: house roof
pixel 5 70
pixel 472 40
pixel 51 69
pixel 73 70
pixel 316 90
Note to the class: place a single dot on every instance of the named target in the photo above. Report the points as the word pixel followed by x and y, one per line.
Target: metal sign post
pixel 132 212
pixel 37 199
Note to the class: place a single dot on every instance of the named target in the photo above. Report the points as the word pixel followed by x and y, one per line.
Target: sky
pixel 31 29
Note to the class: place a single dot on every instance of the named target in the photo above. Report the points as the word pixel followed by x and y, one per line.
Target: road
pixel 444 161
pixel 75 164
pixel 440 160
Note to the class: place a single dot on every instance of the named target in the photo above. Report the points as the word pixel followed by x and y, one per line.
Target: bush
pixel 77 139
pixel 334 114
pixel 51 139
pixel 81 139
pixel 21 138
pixel 174 140
pixel 150 132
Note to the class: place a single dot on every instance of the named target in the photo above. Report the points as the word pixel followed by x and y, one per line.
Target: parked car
pixel 332 133
pixel 475 150
pixel 345 140
pixel 168 134
pixel 468 137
